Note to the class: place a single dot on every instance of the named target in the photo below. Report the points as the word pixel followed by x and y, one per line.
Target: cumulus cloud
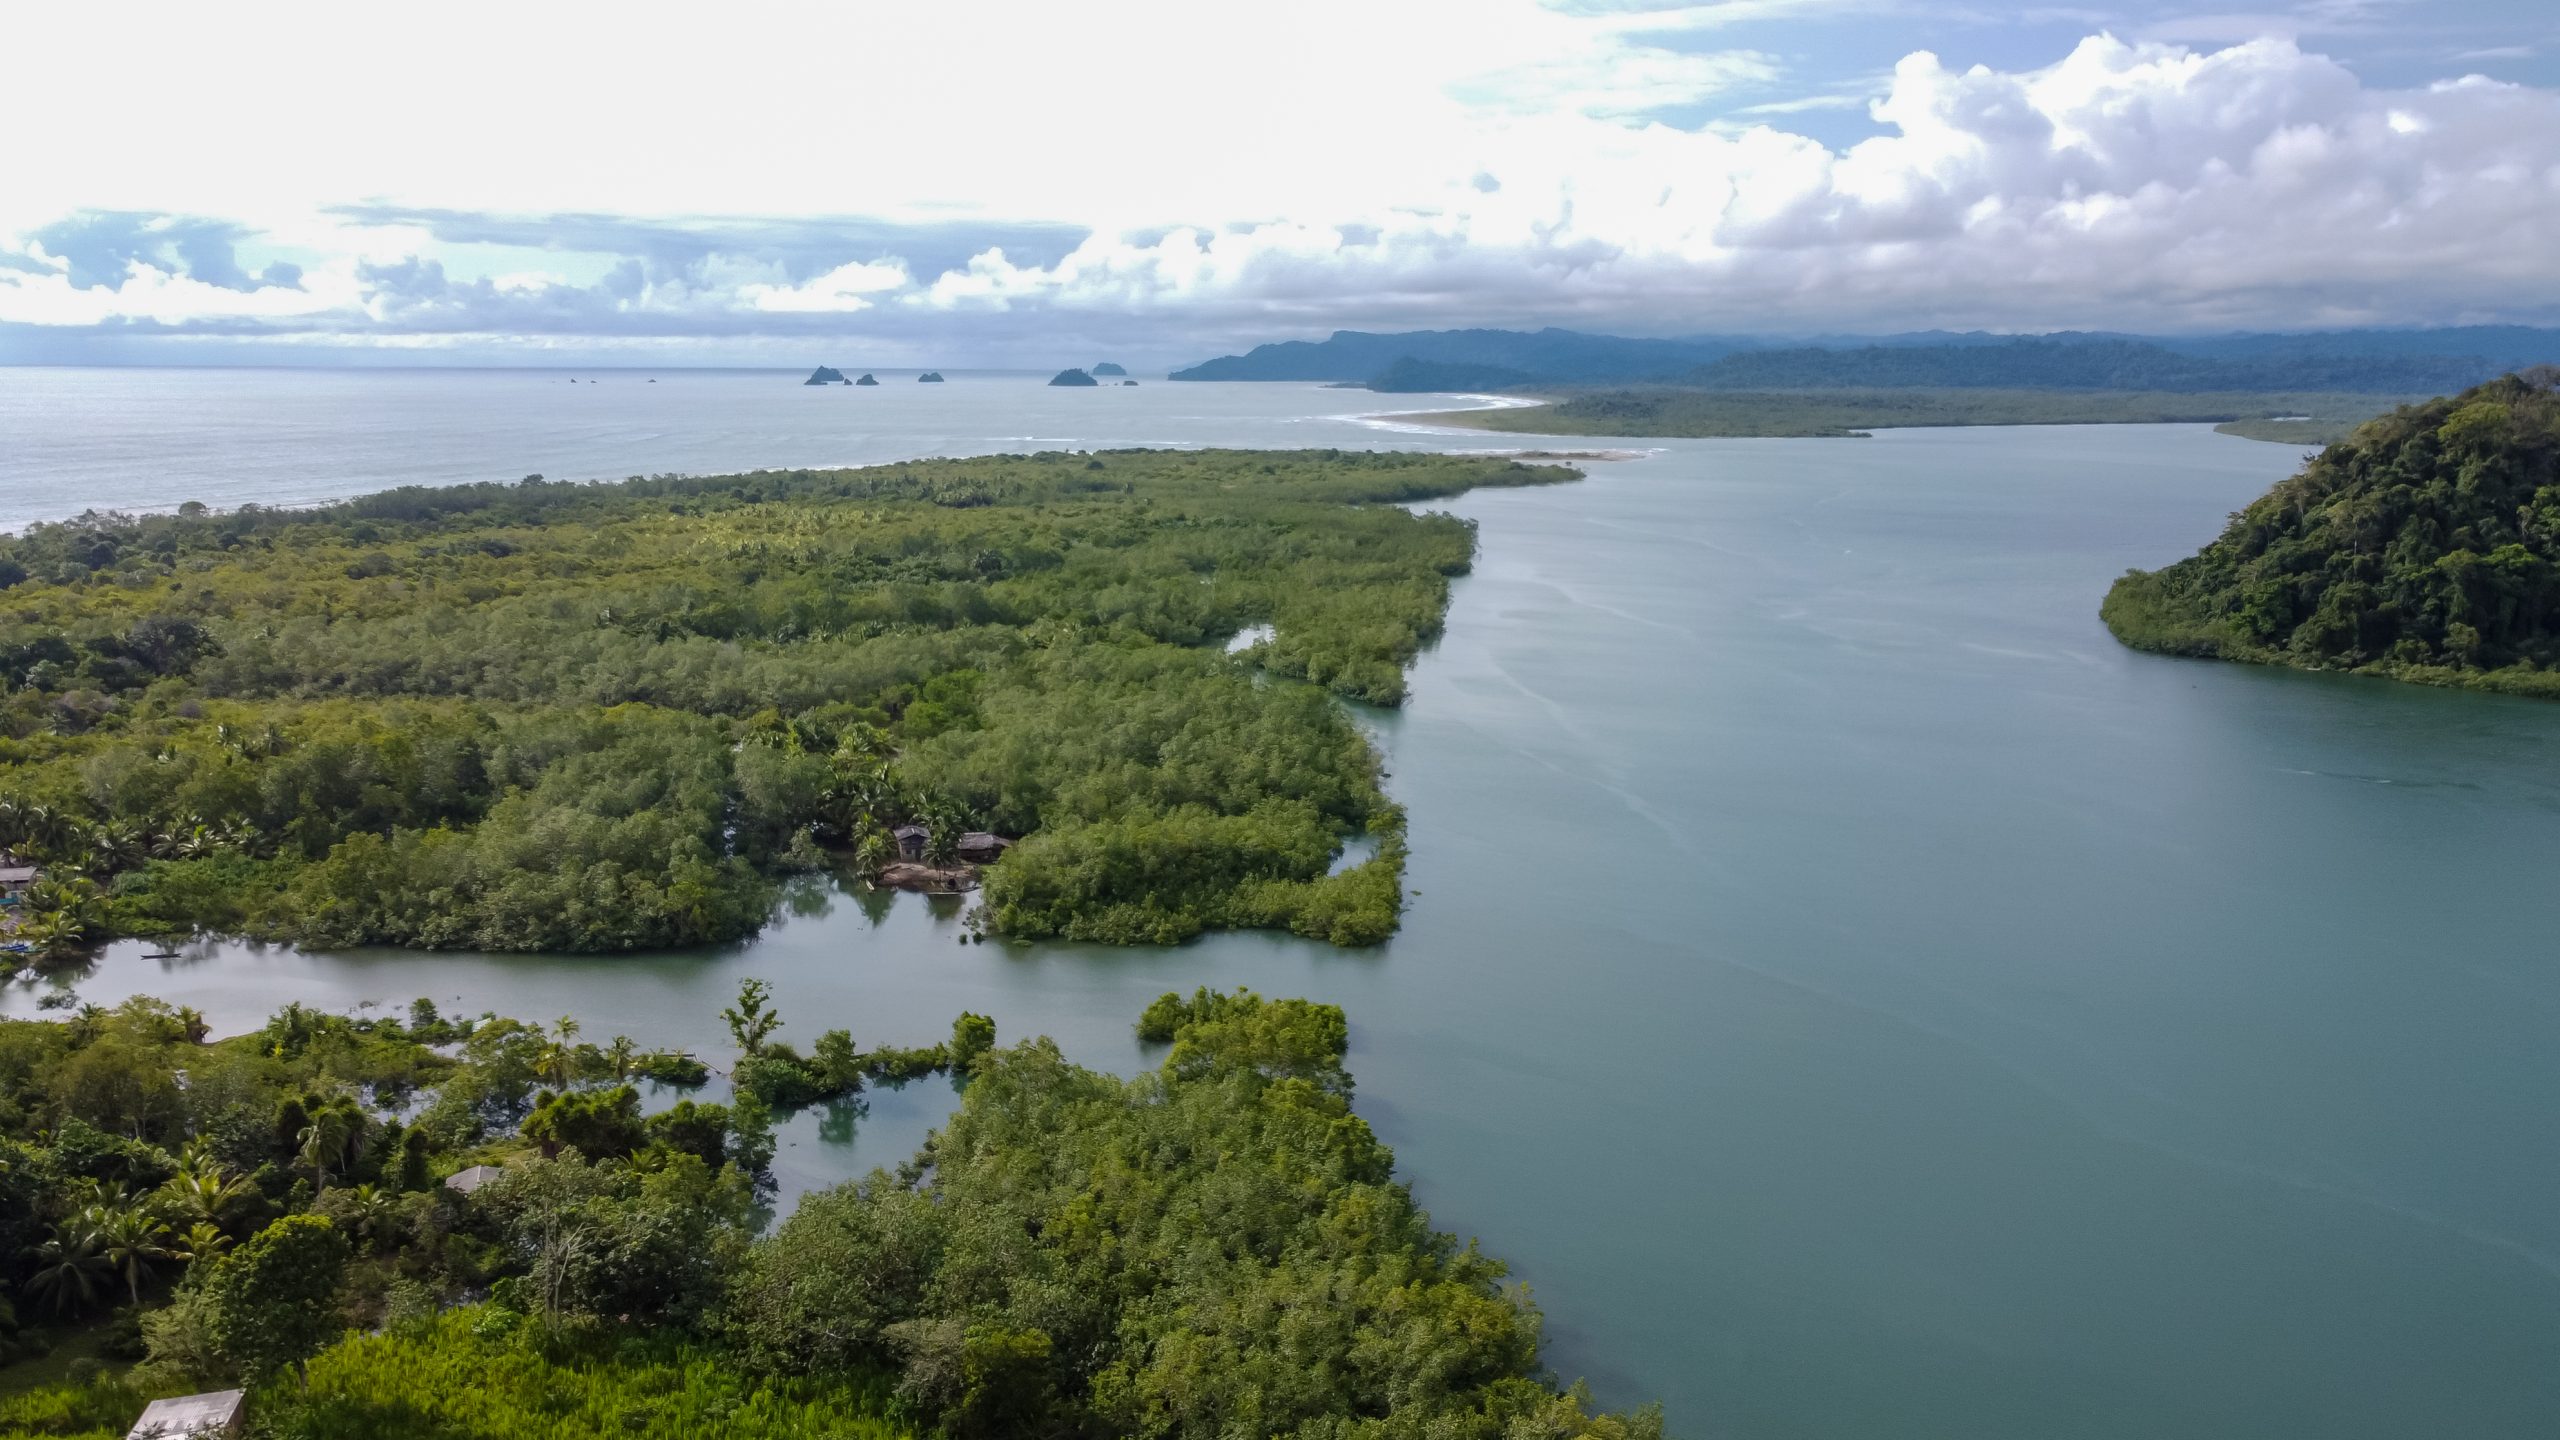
pixel 2128 184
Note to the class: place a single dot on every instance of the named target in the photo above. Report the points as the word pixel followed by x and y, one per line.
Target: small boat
pixel 159 954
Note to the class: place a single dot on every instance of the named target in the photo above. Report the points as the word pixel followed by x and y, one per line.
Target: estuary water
pixel 1860 998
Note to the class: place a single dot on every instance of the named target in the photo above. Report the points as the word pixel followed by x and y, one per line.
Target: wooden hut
pixel 190 1416
pixel 980 847
pixel 15 877
pixel 911 841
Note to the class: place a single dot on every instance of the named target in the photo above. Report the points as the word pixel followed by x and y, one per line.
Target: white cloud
pixel 1250 173
pixel 845 288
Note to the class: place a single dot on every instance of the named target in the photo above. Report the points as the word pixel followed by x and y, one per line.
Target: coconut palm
pixel 117 846
pixel 375 1212
pixel 559 1056
pixel 55 936
pixel 68 1269
pixel 621 1055
pixel 333 1130
pixel 132 1241
pixel 205 1197
pixel 201 1242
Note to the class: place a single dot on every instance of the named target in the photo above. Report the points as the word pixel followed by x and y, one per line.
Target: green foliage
pixel 1215 1249
pixel 751 1021
pixel 598 1124
pixel 600 717
pixel 1218 1248
pixel 1162 1017
pixel 2427 547
pixel 272 1303
pixel 972 1036
pixel 647 1242
pixel 445 1381
pixel 97 1408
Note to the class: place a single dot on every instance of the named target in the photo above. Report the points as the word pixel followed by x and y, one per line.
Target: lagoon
pixel 1860 998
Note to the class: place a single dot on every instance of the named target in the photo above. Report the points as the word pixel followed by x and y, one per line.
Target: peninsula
pixel 2426 547
pixel 556 716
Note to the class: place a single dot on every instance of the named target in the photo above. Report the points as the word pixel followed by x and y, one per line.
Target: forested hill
pixel 553 716
pixel 2424 547
pixel 2382 362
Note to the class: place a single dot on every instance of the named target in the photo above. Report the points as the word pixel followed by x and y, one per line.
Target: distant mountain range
pixel 2371 361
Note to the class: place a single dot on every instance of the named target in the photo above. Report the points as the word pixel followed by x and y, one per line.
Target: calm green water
pixel 1860 998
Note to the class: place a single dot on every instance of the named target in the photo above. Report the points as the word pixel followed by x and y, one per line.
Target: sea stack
pixel 930 377
pixel 866 379
pixel 1074 377
pixel 825 375
pixel 1107 368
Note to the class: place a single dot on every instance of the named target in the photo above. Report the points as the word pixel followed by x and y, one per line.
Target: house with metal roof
pixel 188 1417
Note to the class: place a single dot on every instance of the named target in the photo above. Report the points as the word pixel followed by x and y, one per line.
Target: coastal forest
pixel 417 1227
pixel 2424 547
pixel 605 717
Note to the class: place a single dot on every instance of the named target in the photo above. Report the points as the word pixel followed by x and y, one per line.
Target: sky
pixel 988 183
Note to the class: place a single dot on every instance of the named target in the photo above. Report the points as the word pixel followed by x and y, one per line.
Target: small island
pixel 1129 384
pixel 930 377
pixel 2421 548
pixel 825 375
pixel 1073 377
pixel 1108 368
pixel 867 379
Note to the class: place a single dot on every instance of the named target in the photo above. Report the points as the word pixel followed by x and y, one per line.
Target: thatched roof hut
pixel 983 847
pixel 911 840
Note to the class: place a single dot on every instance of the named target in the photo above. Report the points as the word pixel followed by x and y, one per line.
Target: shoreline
pixel 2272 417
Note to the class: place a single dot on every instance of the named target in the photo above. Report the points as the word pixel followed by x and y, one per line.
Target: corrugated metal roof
pixel 215 1413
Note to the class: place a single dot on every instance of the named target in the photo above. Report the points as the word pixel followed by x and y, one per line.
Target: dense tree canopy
pixel 2426 546
pixel 598 717
pixel 1216 1249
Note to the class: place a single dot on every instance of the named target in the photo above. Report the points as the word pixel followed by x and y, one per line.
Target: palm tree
pixel 202 1242
pixel 620 1055
pixel 559 1056
pixel 56 936
pixel 374 1212
pixel 333 1130
pixel 117 846
pixel 205 1196
pixel 131 1241
pixel 67 1269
